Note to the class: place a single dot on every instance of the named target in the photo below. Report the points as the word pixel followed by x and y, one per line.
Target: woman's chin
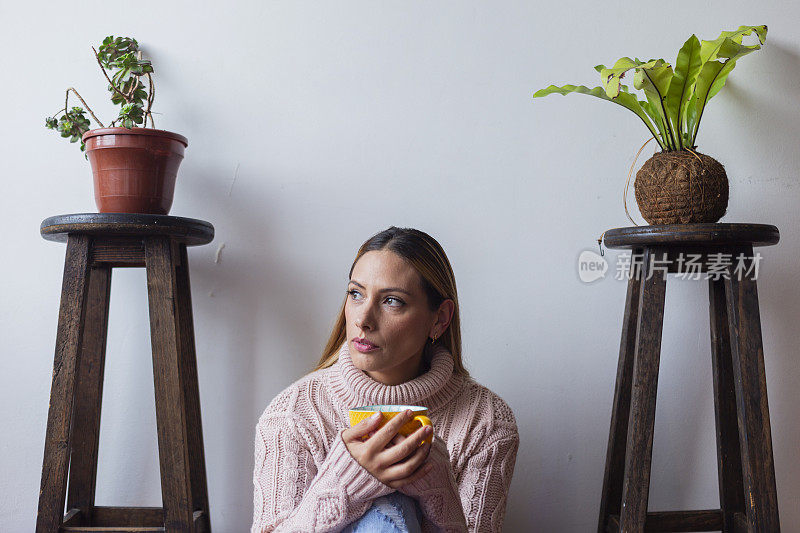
pixel 366 361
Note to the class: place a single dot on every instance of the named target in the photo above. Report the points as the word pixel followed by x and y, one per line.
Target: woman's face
pixel 387 308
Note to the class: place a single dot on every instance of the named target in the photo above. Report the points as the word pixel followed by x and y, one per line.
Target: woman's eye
pixel 355 295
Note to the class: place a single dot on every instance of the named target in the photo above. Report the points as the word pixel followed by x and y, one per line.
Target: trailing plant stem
pixel 89 109
pixel 134 86
pixel 97 57
pixel 150 98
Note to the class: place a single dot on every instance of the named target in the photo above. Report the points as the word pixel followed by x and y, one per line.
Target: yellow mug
pixel 420 418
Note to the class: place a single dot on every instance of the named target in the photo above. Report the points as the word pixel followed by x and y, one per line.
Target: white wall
pixel 313 125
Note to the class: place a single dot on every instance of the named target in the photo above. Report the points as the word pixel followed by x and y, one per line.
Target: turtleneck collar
pixel 431 389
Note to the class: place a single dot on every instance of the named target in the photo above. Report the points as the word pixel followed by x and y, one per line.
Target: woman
pixel 397 340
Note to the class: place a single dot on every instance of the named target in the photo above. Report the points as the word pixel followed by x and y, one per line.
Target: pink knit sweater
pixel 305 479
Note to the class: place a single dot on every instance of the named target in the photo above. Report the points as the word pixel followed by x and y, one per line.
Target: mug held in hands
pixel 420 418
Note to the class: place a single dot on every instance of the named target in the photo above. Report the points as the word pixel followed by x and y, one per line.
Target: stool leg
pixel 615 455
pixel 161 258
pixel 729 462
pixel 71 315
pixel 191 391
pixel 86 418
pixel 761 500
pixel 639 447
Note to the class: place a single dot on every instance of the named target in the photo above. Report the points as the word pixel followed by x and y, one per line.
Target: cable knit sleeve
pixel 473 499
pixel 485 482
pixel 293 492
pixel 438 494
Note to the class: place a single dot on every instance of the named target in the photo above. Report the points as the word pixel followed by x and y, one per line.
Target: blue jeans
pixel 393 513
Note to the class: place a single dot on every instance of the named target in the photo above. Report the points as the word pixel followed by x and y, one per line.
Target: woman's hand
pixel 439 475
pixel 391 458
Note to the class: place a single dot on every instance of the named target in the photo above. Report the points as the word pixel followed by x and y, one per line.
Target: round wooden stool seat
pixel 189 231
pixel 674 235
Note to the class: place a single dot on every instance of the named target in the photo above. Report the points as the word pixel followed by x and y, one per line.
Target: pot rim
pixel 135 131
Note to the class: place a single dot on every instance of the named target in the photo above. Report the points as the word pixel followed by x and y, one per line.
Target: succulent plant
pixel 122 58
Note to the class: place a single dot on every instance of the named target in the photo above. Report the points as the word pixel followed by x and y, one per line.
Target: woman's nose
pixel 365 319
pixel 361 323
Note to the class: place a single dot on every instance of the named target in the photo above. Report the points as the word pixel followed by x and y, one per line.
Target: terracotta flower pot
pixel 134 169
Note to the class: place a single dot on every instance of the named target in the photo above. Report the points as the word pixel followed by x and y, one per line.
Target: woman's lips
pixel 364 346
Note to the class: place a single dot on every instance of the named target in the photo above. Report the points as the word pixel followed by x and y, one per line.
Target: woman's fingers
pixel 410 470
pixel 405 468
pixel 363 428
pixel 385 434
pixel 405 448
pixel 396 440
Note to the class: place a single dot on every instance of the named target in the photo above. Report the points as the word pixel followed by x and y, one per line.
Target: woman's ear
pixel 444 316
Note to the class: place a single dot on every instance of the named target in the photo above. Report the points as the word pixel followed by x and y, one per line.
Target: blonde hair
pixel 427 257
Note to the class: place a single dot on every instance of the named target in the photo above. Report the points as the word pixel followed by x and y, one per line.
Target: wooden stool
pixel 748 498
pixel 95 244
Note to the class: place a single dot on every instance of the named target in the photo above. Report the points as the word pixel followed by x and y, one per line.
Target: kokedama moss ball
pixel 681 187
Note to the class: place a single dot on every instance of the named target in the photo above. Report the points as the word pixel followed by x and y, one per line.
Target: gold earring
pixel 434 338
